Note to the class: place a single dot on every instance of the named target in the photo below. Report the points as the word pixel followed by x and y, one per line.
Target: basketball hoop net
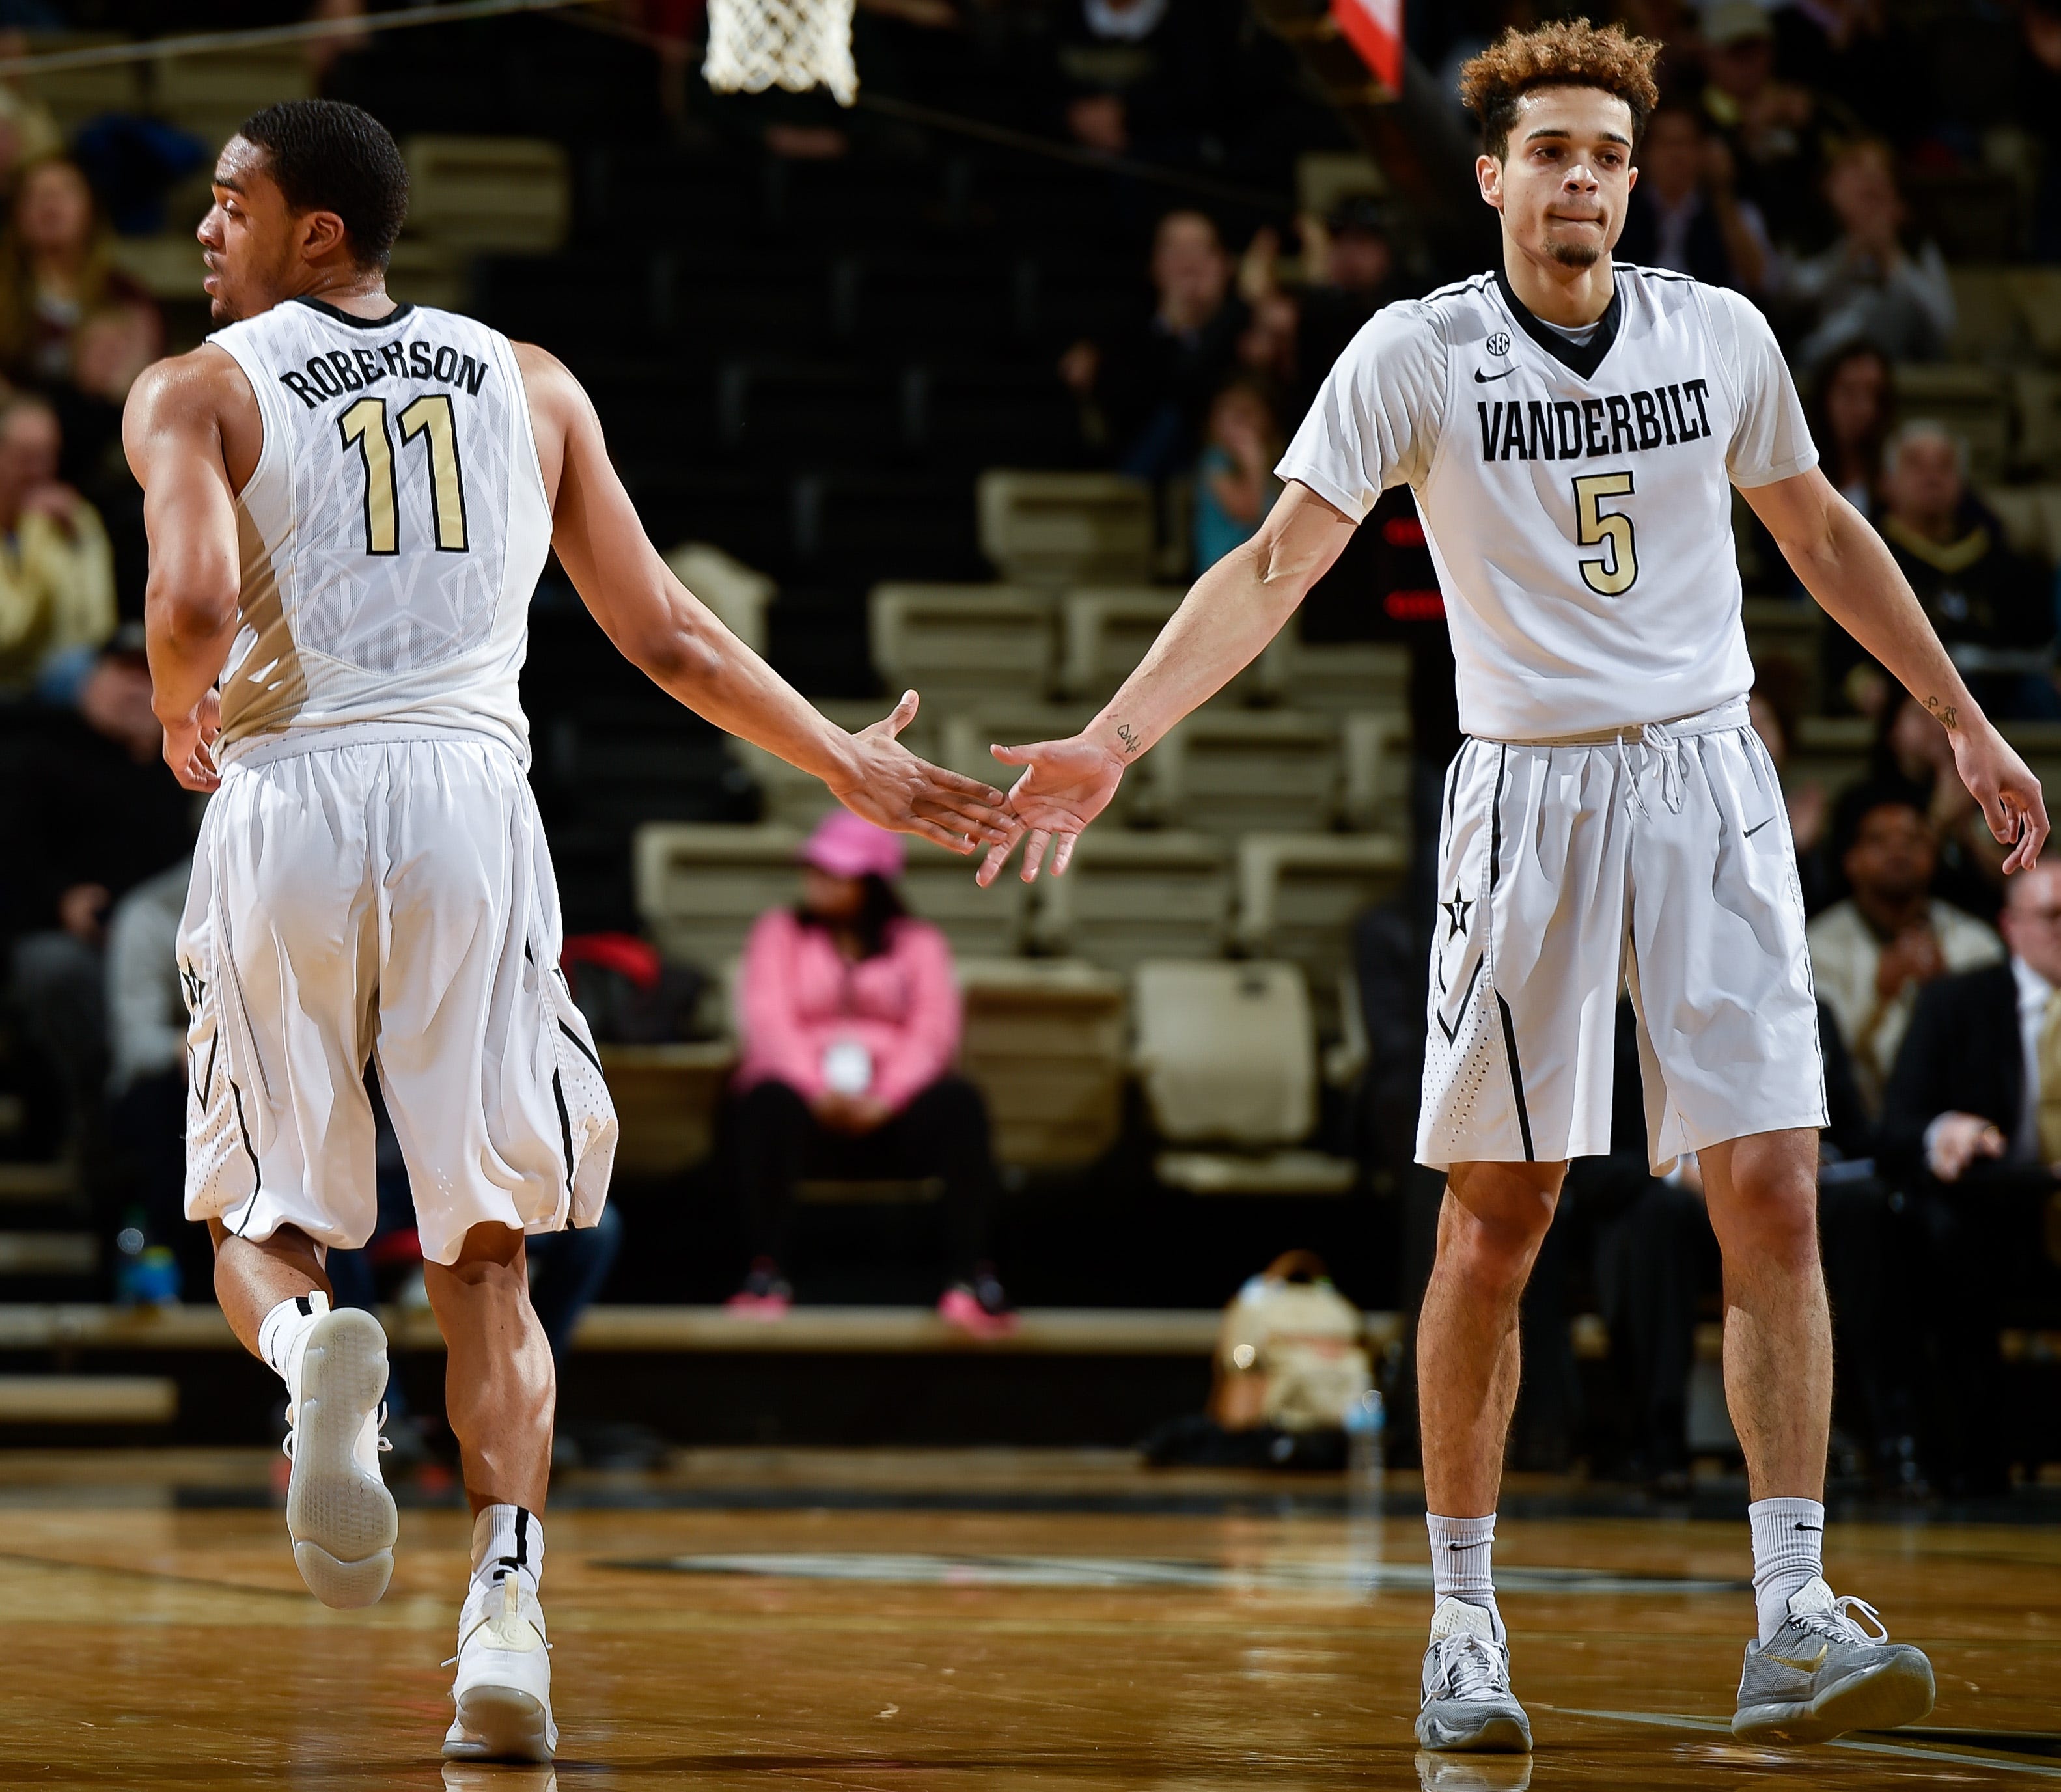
pixel 796 44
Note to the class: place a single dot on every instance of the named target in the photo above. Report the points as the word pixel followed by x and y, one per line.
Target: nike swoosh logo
pixel 1749 833
pixel 1801 1665
pixel 1484 379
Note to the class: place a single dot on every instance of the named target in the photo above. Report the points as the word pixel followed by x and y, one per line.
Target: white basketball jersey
pixel 392 533
pixel 1576 498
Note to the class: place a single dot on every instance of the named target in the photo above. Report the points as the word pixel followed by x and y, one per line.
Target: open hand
pixel 2012 803
pixel 190 744
pixel 894 790
pixel 1066 784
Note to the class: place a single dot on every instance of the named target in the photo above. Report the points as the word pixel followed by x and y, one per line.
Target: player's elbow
pixel 190 606
pixel 677 656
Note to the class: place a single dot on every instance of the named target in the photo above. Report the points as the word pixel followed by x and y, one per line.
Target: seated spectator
pixel 1870 954
pixel 1148 79
pixel 1781 135
pixel 851 1020
pixel 1235 482
pixel 56 270
pixel 92 813
pixel 1152 387
pixel 1684 214
pixel 1912 750
pixel 1972 1129
pixel 56 570
pixel 1349 267
pixel 1851 408
pixel 1871 284
pixel 1989 604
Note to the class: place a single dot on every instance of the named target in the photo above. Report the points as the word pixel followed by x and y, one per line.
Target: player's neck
pixel 1573 298
pixel 360 291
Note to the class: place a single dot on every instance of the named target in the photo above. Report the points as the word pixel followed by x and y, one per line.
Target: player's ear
pixel 1488 172
pixel 321 233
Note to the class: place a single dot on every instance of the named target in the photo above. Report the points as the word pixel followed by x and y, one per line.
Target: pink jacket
pixel 798 995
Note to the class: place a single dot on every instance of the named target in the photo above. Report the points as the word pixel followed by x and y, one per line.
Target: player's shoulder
pixel 1666 293
pixel 202 379
pixel 1423 330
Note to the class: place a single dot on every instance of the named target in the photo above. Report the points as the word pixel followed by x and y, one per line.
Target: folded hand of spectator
pixel 1954 1141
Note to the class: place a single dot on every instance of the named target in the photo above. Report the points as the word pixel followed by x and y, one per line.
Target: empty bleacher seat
pixel 77 95
pixel 957 644
pixel 700 885
pixel 1988 323
pixel 1129 896
pixel 2037 396
pixel 738 593
pixel 1045 1040
pixel 211 95
pixel 505 193
pixel 2038 291
pixel 2031 518
pixel 1104 631
pixel 793 412
pixel 938 885
pixel 1226 1056
pixel 985 415
pixel 858 527
pixel 1067 528
pixel 799 799
pixel 1969 401
pixel 927 305
pixel 666 1098
pixel 1299 894
pixel 1374 751
pixel 1225 770
pixel 1330 677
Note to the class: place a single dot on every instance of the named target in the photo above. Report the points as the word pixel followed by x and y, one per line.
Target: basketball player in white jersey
pixel 349 502
pixel 1572 431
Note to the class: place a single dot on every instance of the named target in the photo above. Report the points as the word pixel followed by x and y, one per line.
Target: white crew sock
pixel 1788 1551
pixel 283 1335
pixel 507 1540
pixel 1460 1550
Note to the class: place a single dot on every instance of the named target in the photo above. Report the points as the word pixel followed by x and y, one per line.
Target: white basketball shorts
pixel 389 899
pixel 1657 860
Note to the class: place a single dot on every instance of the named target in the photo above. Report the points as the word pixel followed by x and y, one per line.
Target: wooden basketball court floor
pixel 954 1621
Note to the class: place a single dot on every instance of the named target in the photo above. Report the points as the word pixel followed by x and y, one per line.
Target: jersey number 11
pixel 429 416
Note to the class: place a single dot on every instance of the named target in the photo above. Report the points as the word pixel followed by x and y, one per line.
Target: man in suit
pixel 1971 1126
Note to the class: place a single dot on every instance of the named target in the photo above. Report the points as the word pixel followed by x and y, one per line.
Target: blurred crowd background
pixel 956 389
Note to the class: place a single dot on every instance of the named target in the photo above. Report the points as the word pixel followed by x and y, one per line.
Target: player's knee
pixel 1775 1216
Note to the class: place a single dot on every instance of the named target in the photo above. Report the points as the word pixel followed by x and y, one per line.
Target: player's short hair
pixel 1568 52
pixel 326 156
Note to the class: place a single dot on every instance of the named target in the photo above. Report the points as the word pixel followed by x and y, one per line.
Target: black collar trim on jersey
pixel 329 310
pixel 1579 359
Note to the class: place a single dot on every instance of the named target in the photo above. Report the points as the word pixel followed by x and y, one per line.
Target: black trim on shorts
pixel 257 1175
pixel 564 1125
pixel 1495 821
pixel 1516 1076
pixel 579 1046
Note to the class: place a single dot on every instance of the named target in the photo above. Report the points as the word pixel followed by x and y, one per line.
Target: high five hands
pixel 890 787
pixel 1066 784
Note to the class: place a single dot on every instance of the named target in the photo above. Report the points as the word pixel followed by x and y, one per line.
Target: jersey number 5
pixel 365 424
pixel 1611 573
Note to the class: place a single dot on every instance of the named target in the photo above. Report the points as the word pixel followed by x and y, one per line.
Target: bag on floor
pixel 1289 1351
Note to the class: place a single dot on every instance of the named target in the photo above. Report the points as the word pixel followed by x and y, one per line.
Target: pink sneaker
pixel 765 1295
pixel 980 1307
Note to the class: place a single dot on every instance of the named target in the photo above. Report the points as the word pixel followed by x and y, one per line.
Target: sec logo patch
pixel 1499 343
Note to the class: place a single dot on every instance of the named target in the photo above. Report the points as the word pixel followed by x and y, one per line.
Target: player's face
pixel 1562 187
pixel 251 238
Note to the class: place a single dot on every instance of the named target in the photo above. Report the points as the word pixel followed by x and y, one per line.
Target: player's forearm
pixel 698 662
pixel 1856 580
pixel 1229 615
pixel 188 627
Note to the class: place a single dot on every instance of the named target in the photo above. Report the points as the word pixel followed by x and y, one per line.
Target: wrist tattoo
pixel 1946 713
pixel 1129 736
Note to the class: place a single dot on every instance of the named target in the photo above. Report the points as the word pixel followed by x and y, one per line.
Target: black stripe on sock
pixel 1516 1076
pixel 522 1537
pixel 302 1302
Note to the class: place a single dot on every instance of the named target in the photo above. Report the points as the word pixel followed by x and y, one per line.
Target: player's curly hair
pixel 1568 52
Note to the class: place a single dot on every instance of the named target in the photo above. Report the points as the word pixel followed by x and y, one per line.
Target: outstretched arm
pixel 171 431
pixel 1232 611
pixel 668 633
pixel 1844 565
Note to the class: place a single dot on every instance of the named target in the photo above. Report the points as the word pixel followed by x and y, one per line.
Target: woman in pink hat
pixel 851 1020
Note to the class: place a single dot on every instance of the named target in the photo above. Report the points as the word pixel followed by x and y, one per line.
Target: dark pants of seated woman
pixel 943 1132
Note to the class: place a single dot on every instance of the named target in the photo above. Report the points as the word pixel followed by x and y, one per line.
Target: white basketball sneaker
pixel 1824 1673
pixel 339 1514
pixel 503 1691
pixel 1467 1701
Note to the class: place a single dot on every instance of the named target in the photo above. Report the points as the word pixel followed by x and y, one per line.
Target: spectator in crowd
pixel 1990 604
pixel 1853 404
pixel 1972 1129
pixel 1870 954
pixel 1780 134
pixel 92 812
pixel 56 570
pixel 56 269
pixel 1912 751
pixel 1149 78
pixel 849 1018
pixel 1235 482
pixel 1684 213
pixel 1151 388
pixel 1349 263
pixel 28 131
pixel 1871 284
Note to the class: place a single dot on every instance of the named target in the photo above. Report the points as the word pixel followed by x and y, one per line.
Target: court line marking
pixel 1669 1720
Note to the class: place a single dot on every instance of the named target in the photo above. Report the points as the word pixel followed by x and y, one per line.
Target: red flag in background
pixel 1374 29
